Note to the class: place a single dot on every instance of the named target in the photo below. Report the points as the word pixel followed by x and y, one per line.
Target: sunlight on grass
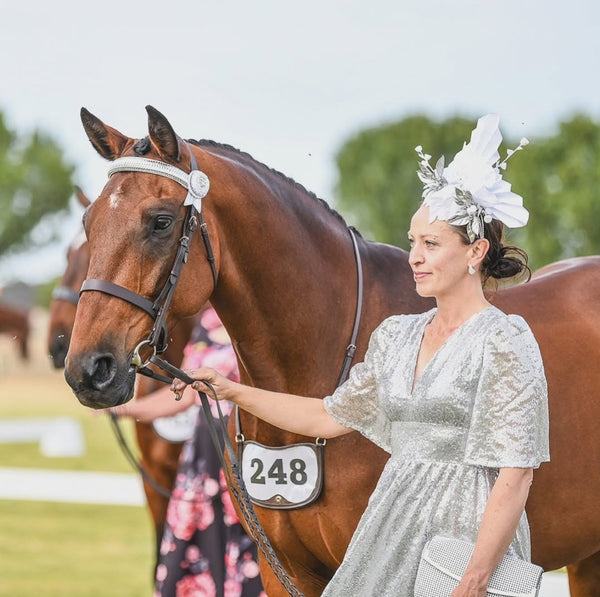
pixel 74 550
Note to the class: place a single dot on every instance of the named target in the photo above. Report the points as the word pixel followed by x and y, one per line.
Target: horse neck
pixel 287 289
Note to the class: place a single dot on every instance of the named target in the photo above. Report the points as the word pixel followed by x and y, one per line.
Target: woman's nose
pixel 414 256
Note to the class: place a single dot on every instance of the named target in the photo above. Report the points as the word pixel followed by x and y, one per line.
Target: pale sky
pixel 286 82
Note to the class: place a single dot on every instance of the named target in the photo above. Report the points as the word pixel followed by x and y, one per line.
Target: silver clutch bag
pixel 444 561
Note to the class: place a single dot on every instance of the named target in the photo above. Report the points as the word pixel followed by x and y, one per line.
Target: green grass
pixel 74 550
pixel 49 396
pixel 62 549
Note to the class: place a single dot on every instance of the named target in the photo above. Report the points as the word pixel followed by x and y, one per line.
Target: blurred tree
pixel 378 188
pixel 558 177
pixel 35 184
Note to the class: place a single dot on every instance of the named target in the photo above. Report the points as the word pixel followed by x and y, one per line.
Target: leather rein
pixel 197 185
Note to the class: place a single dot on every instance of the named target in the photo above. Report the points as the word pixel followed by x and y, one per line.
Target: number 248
pixel 276 471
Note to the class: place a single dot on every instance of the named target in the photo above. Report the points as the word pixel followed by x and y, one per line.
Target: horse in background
pixel 65 294
pixel 285 289
pixel 15 323
pixel 159 458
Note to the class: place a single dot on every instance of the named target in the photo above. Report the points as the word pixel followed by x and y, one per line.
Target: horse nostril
pixel 58 352
pixel 102 371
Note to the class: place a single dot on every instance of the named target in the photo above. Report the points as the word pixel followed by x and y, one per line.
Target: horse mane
pixel 143 146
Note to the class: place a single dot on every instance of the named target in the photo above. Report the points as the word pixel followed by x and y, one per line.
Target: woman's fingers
pixel 200 375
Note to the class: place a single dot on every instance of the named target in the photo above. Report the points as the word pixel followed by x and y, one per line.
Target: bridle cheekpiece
pixel 197 184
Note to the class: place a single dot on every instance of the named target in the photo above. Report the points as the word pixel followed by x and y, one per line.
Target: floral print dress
pixel 205 552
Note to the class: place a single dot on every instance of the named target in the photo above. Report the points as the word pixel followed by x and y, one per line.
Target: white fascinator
pixel 470 191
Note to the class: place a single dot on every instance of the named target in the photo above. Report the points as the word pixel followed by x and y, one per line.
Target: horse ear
pixel 108 142
pixel 82 197
pixel 162 135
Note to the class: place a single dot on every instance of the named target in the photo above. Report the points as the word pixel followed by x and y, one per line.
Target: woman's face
pixel 438 256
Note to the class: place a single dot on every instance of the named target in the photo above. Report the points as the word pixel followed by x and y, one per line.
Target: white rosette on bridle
pixel 470 191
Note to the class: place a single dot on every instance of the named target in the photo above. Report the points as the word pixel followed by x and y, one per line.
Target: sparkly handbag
pixel 444 561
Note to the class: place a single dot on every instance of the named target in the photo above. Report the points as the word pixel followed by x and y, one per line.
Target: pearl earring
pixel 471 269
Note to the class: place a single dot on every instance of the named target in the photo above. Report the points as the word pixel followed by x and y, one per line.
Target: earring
pixel 471 269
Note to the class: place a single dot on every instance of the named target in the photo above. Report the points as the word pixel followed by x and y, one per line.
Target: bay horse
pixel 285 286
pixel 159 458
pixel 15 323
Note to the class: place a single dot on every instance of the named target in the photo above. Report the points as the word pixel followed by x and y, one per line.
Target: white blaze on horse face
pixel 115 197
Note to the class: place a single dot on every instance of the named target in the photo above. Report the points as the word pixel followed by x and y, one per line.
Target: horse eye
pixel 162 223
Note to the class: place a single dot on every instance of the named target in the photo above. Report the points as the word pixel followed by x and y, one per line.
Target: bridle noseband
pixel 197 185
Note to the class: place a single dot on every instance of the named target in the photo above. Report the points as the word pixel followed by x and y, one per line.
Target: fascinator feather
pixel 470 191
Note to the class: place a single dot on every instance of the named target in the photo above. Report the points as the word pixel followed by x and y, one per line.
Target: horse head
pixel 66 294
pixel 133 230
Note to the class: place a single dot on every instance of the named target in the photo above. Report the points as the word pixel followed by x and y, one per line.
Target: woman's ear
pixel 479 249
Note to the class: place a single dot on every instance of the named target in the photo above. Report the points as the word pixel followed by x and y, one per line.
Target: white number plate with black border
pixel 282 477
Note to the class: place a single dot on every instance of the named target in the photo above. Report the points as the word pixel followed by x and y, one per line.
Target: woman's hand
pixel 498 526
pixel 470 588
pixel 222 386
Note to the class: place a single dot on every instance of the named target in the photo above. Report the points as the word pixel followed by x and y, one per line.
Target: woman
pixel 204 549
pixel 456 395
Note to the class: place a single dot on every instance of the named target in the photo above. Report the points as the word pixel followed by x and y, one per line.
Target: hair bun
pixel 505 262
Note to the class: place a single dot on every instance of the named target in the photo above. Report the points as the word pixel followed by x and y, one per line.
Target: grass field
pixel 67 550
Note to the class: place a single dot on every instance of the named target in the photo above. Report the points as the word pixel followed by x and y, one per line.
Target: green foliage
pixel 35 182
pixel 43 293
pixel 378 185
pixel 557 176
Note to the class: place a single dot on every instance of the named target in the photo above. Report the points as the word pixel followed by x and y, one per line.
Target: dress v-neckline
pixel 415 356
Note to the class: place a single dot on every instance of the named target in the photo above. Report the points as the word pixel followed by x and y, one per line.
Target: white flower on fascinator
pixel 470 190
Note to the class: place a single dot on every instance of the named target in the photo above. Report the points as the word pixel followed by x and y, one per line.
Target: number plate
pixel 282 477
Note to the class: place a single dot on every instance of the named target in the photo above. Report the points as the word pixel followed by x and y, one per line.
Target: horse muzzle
pixel 59 346
pixel 99 380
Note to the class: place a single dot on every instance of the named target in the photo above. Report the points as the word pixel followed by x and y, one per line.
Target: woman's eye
pixel 162 222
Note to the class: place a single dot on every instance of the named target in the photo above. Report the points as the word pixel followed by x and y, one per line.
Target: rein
pixel 233 473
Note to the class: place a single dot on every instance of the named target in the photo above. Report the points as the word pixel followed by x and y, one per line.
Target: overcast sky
pixel 287 82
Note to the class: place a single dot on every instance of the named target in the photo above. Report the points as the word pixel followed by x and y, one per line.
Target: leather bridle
pixel 197 185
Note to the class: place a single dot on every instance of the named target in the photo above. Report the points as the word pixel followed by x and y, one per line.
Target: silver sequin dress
pixel 479 405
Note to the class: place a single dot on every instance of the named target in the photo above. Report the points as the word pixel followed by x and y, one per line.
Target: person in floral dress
pixel 204 552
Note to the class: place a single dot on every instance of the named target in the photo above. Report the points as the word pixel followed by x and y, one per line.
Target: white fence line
pixel 120 489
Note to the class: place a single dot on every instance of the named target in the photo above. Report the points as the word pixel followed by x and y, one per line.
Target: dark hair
pixel 501 261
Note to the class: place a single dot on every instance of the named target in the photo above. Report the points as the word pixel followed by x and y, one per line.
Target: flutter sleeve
pixel 509 424
pixel 356 403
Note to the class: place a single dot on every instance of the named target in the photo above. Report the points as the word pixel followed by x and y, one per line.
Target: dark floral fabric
pixel 205 551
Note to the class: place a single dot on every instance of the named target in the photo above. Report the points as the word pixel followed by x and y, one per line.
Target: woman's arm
pixel 160 403
pixel 305 416
pixel 498 527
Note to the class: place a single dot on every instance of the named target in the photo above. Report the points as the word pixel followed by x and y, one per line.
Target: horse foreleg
pixel 584 577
